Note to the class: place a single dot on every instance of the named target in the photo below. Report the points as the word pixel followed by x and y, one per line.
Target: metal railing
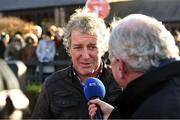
pixel 37 76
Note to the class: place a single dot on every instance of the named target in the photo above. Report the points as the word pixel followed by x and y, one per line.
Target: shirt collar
pixel 74 73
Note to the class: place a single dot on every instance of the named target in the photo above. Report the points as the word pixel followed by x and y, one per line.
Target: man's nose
pixel 85 53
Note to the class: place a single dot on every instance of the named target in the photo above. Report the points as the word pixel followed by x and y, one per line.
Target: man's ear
pixel 121 68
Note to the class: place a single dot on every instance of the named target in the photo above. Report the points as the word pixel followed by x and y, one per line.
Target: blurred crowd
pixel 40 46
pixel 34 45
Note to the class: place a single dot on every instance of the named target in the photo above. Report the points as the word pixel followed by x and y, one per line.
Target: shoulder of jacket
pixel 60 75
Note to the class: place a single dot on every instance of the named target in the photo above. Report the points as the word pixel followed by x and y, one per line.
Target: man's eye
pixel 77 47
pixel 92 47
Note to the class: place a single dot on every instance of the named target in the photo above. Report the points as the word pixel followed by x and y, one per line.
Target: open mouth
pixel 86 65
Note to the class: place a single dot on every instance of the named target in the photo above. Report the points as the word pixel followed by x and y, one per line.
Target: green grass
pixel 34 87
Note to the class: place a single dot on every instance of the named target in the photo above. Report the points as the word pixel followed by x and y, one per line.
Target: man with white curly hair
pixel 145 63
pixel 86 40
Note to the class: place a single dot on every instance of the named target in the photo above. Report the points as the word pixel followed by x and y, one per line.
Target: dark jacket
pixel 62 95
pixel 156 94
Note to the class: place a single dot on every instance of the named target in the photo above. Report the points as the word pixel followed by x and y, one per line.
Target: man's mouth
pixel 86 65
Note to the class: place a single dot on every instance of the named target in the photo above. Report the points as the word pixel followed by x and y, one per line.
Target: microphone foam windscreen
pixel 94 88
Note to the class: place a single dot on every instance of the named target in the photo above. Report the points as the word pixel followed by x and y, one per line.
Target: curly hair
pixel 89 23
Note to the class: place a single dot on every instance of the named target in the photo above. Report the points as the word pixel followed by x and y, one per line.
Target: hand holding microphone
pixel 94 91
pixel 106 108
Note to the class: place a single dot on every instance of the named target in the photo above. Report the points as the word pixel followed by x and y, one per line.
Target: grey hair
pixel 141 42
pixel 90 24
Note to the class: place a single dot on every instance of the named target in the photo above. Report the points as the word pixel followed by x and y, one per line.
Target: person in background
pixel 4 41
pixel 62 97
pixel 5 38
pixel 46 49
pixel 176 35
pixel 13 56
pixel 61 53
pixel 52 29
pixel 29 54
pixel 45 52
pixel 29 51
pixel 145 63
pixel 37 30
pixel 14 48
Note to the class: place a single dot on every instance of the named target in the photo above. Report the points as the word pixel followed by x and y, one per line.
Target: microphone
pixel 94 88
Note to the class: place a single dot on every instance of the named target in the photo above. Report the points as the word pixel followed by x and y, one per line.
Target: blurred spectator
pixel 176 35
pixel 61 53
pixel 46 49
pixel 45 53
pixel 37 30
pixel 52 30
pixel 12 100
pixel 29 51
pixel 2 49
pixel 13 51
pixel 4 40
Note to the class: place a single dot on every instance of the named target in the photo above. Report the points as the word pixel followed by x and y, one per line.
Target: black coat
pixel 156 94
pixel 62 96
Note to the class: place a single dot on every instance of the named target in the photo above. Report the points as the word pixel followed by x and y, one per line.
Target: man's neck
pixel 96 74
pixel 84 77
